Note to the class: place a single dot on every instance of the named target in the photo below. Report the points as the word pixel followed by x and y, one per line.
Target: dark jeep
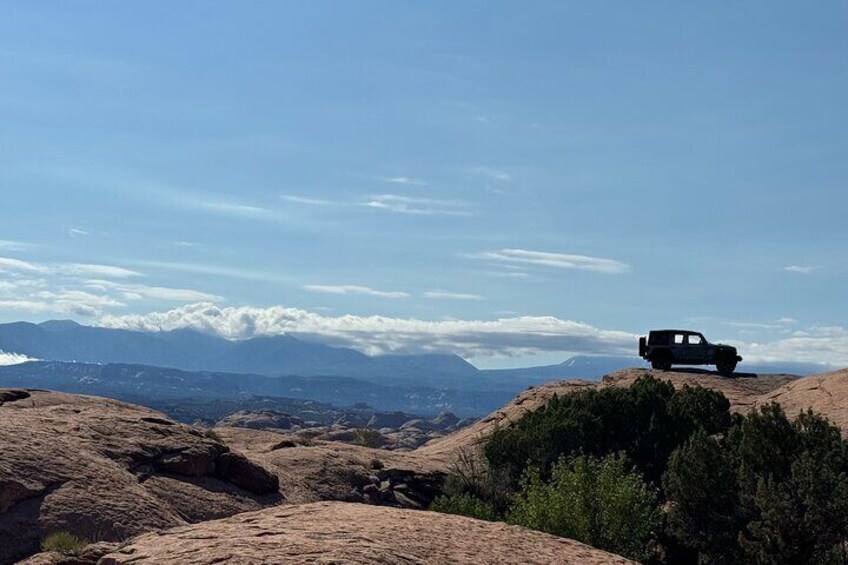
pixel 664 348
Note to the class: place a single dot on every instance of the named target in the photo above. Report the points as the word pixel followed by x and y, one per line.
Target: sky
pixel 514 182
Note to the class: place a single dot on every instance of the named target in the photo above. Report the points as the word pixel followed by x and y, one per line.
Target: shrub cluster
pixel 646 421
pixel 665 476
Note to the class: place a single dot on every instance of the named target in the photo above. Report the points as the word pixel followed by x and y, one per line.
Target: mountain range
pixel 187 363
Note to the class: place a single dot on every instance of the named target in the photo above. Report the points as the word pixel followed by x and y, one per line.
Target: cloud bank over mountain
pixel 502 337
pixel 526 335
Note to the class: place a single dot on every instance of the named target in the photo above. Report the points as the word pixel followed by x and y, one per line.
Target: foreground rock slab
pixel 338 532
pixel 106 471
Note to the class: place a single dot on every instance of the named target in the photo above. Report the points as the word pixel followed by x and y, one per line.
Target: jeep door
pixel 692 350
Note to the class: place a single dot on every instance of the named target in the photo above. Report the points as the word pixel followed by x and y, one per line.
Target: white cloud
pixel 354 289
pixel 108 271
pixel 216 270
pixel 418 206
pixel 494 174
pixel 164 193
pixel 307 201
pixel 234 209
pixel 13 358
pixel 72 269
pixel 70 289
pixel 33 306
pixel 827 344
pixel 557 260
pixel 9 264
pixel 12 245
pixel 441 294
pixel 78 232
pixel 380 334
pixel 408 181
pixel 802 269
pixel 779 324
pixel 139 291
pixel 68 299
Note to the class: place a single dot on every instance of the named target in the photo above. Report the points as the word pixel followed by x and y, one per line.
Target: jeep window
pixel 695 340
pixel 678 339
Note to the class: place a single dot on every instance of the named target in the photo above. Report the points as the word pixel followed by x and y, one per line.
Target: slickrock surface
pixel 338 532
pixel 323 470
pixel 105 470
pixel 826 394
pixel 743 390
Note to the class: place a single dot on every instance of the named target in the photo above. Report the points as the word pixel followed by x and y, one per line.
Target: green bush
pixel 772 491
pixel 599 501
pixel 646 421
pixel 465 504
pixel 64 542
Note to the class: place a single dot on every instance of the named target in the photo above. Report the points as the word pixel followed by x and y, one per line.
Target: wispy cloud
pixel 12 245
pixel 308 201
pixel 235 272
pixel 418 206
pixel 79 269
pixel 140 291
pixel 491 173
pixel 441 294
pixel 354 289
pixel 77 232
pixel 80 289
pixel 166 194
pixel 85 269
pixel 555 260
pixel 9 264
pixel 802 269
pixel 781 324
pixel 407 181
pixel 233 208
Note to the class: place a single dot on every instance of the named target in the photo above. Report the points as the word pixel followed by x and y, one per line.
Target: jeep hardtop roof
pixel 675 332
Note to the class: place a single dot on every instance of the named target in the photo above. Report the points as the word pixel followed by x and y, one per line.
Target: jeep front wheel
pixel 726 367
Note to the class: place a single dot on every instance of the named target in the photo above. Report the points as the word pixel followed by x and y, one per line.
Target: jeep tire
pixel 726 367
pixel 661 361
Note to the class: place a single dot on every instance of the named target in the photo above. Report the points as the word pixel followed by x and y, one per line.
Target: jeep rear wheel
pixel 661 361
pixel 726 367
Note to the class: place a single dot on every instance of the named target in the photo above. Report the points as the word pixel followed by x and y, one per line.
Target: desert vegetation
pixel 665 476
pixel 64 542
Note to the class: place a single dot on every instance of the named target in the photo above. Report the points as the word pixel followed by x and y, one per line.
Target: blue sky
pixel 510 181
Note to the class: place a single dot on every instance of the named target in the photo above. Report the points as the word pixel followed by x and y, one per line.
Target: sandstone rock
pixel 242 472
pixel 260 419
pixel 334 532
pixel 337 471
pixel 826 394
pixel 106 470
